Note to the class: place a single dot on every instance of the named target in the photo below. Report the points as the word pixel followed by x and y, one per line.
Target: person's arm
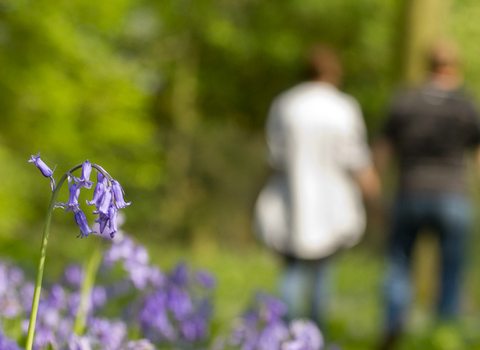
pixel 382 154
pixel 369 182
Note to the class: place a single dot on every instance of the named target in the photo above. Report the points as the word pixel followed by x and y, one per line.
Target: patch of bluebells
pixel 108 196
pixel 172 308
pixel 167 310
pixel 56 315
pixel 263 328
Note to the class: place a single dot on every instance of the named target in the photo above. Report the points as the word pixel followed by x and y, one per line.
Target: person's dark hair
pixel 323 62
pixel 441 54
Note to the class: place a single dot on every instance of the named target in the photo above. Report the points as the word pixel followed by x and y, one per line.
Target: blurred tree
pixel 66 89
pixel 424 22
pixel 172 95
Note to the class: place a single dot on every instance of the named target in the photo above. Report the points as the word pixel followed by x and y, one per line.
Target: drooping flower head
pixel 44 169
pixel 107 196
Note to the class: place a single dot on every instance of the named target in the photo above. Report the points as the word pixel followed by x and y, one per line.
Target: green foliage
pixel 172 95
pixel 67 90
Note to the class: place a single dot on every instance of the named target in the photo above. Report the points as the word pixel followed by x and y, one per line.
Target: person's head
pixel 443 59
pixel 444 65
pixel 323 64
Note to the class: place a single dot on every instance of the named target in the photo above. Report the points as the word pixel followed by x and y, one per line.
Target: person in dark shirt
pixel 429 129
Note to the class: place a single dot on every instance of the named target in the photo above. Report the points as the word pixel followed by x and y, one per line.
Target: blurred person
pixel 429 129
pixel 312 205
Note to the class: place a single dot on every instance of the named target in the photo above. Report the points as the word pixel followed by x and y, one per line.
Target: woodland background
pixel 170 96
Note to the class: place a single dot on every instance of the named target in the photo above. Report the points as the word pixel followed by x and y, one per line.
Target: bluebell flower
pixel 306 336
pixel 153 317
pixel 272 309
pixel 7 344
pixel 100 188
pixel 118 194
pixel 109 334
pixel 73 274
pixel 102 221
pixel 57 298
pixel 112 217
pixel 118 251
pixel 44 169
pixel 15 276
pixel 44 337
pixel 105 202
pixel 26 295
pixel 156 277
pixel 139 275
pixel 179 275
pixel 73 303
pixel 205 279
pixel 179 303
pixel 78 343
pixel 83 181
pixel 82 223
pixel 273 335
pixel 72 204
pixel 142 344
pixel 194 328
pixel 99 296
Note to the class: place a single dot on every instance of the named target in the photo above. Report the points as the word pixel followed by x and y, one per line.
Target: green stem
pixel 87 286
pixel 41 264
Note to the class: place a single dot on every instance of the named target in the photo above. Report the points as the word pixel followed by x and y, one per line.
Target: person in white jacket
pixel 312 205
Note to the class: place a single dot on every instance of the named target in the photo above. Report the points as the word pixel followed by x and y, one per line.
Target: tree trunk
pixel 424 22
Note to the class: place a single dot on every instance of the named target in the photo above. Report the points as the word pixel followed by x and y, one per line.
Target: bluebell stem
pixel 81 221
pixel 83 181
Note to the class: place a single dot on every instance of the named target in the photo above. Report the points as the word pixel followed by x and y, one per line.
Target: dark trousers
pixel 448 215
